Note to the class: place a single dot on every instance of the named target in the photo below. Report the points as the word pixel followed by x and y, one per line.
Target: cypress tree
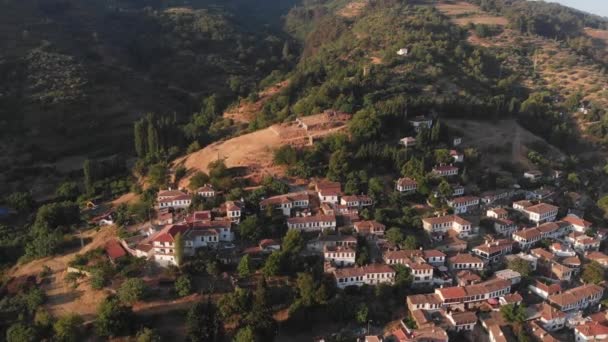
pixel 152 136
pixel 87 169
pixel 139 133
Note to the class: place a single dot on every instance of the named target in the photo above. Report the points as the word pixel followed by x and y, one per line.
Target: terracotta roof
pixel 430 253
pixel 465 259
pixel 362 271
pixel 464 199
pixel 168 233
pixel 492 247
pixel 445 168
pixel 205 188
pixel 114 250
pixel 269 242
pixel 577 221
pixel 343 249
pixel 524 203
pixel 549 313
pixel 468 275
pixel 540 333
pixel 499 211
pixel 576 294
pixel 335 238
pixel 427 298
pixel 592 329
pixel 542 208
pixel 170 193
pixel 404 182
pixel 497 333
pixel 574 261
pixel 542 253
pixel 452 292
pixel 513 298
pixel 528 233
pixel 369 225
pixel 549 288
pixel 310 219
pixel 466 317
pixel 597 256
pixel 446 219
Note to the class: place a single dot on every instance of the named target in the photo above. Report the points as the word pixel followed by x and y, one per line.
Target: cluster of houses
pixel 462 295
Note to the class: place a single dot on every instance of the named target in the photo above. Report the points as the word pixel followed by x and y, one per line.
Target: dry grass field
pixel 462 13
pixel 353 9
pixel 246 110
pixel 254 151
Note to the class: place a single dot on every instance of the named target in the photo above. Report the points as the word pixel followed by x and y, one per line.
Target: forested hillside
pixel 75 75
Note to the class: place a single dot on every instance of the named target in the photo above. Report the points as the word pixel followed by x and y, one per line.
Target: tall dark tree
pixel 88 171
pixel 139 133
pixel 152 135
pixel 204 324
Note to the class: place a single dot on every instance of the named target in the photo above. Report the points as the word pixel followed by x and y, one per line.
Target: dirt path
pixel 62 298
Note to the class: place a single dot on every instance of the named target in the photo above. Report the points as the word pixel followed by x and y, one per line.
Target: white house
pixel 312 223
pixel 340 256
pixel 504 227
pixel 497 213
pixel 178 202
pixel 494 250
pixel 206 191
pixel 442 224
pixel 408 141
pixel 402 52
pixel 578 224
pixel 445 170
pixel 457 157
pixel 533 175
pixel 541 212
pixel 406 185
pixel 163 244
pixel 287 203
pixel 544 290
pixel 234 210
pixel 366 275
pixel 462 205
pixel 590 331
pixel 421 122
pixel 465 262
pixel 372 228
pixel 578 298
pixel 356 201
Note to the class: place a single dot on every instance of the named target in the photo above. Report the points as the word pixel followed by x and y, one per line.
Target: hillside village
pixel 421 184
pixel 488 264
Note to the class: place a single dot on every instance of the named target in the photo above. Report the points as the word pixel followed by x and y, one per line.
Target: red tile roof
pixel 542 208
pixel 114 250
pixel 168 233
pixel 576 221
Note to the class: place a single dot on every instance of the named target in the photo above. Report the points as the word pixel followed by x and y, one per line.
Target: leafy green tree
pixel 245 267
pixel 68 191
pixel 183 286
pixel 442 156
pixel 203 323
pixel 603 204
pixel 394 235
pixel 20 332
pixel 34 298
pixel 158 175
pixel 293 242
pixel 179 249
pixel 365 125
pixel 513 313
pixel 250 229
pixel 245 334
pixel 306 289
pixel 593 273
pixel 68 328
pixel 147 335
pixel 20 201
pixel 132 290
pixel 521 266
pixel 113 318
pixel 338 165
pixel 362 313
pixel 272 266
pixel 199 179
pixel 445 189
pixel 573 178
pixel 410 242
pixel 436 132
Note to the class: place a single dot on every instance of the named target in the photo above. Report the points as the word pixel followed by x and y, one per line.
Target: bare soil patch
pixel 353 9
pixel 463 13
pixel 454 8
pixel 246 110
pixel 481 19
pixel 254 151
pixel 62 298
